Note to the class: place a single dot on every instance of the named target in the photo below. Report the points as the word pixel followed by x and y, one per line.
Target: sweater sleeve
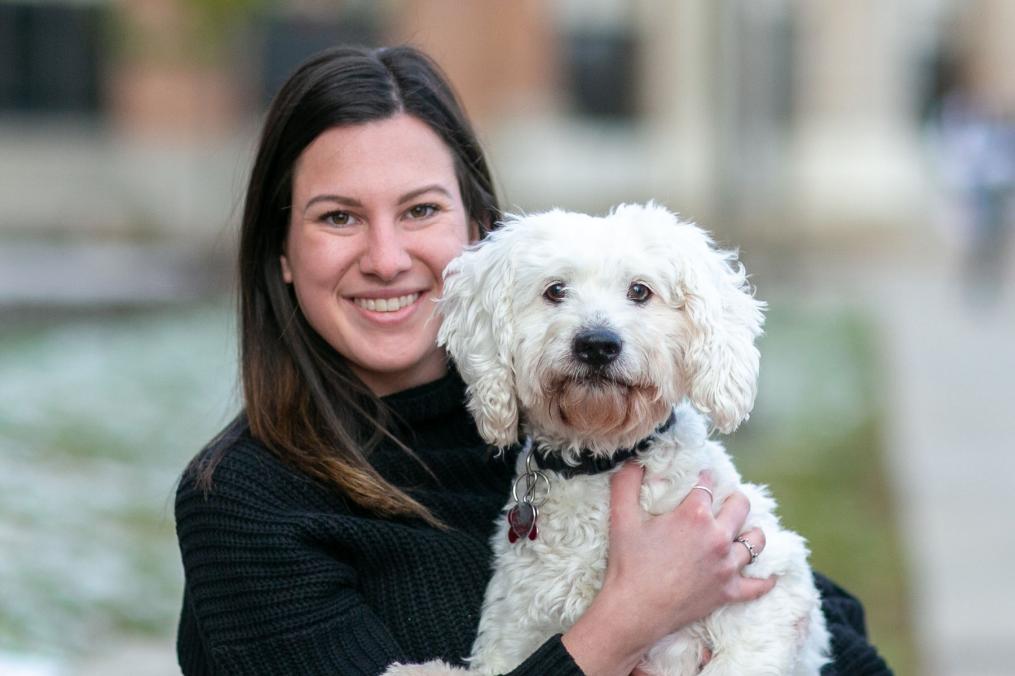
pixel 551 659
pixel 852 653
pixel 260 597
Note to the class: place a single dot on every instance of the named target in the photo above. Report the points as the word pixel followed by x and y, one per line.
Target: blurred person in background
pixel 342 521
pixel 976 144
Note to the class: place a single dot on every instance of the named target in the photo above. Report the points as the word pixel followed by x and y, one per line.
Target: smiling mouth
pixel 386 304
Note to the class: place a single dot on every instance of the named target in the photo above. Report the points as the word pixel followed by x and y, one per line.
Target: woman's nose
pixel 386 255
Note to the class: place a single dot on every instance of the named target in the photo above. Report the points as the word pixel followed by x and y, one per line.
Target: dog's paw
pixel 433 668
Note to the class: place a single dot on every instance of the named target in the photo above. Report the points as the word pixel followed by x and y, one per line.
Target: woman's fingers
pixel 733 514
pixel 729 522
pixel 748 546
pixel 752 588
pixel 702 491
pixel 672 569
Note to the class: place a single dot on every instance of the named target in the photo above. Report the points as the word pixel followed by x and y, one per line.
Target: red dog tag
pixel 522 521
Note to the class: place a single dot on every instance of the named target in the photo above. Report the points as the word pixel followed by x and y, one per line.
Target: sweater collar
pixel 429 400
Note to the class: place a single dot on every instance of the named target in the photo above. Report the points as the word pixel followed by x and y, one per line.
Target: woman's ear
pixel 474 231
pixel 720 360
pixel 287 274
pixel 477 332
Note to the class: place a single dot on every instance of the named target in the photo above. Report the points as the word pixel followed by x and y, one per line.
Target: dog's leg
pixel 814 641
pixel 679 653
pixel 507 635
pixel 781 633
pixel 509 631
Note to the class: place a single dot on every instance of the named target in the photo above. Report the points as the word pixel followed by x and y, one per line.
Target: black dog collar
pixel 590 463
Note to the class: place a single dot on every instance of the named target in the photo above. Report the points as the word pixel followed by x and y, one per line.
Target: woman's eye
pixel 555 292
pixel 639 292
pixel 337 218
pixel 423 210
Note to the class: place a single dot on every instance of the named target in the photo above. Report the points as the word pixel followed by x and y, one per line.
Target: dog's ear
pixel 720 361
pixel 477 333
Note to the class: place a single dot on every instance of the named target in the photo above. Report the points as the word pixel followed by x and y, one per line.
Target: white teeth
pixel 386 304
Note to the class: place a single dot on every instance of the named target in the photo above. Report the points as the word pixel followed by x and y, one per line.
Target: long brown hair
pixel 302 400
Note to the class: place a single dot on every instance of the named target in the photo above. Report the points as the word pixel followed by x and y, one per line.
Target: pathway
pixel 950 367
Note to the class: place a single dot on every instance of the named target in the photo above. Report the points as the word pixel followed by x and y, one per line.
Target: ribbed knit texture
pixel 283 576
pixel 852 654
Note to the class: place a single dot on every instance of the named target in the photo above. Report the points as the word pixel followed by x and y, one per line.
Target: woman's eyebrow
pixel 434 187
pixel 340 199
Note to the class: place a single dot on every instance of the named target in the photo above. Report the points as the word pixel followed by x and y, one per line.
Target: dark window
pixel 601 67
pixel 290 40
pixel 50 58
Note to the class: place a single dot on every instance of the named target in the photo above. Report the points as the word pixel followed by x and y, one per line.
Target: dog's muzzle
pixel 597 347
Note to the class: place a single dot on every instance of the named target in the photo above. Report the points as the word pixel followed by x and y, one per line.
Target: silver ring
pixel 747 543
pixel 704 488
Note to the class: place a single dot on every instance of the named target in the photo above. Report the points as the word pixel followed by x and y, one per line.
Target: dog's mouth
pixel 599 403
pixel 595 381
pixel 599 379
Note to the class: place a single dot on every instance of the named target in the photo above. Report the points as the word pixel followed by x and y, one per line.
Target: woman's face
pixel 376 216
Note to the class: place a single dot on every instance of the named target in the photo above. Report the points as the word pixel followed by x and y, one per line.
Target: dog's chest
pixel 555 576
pixel 558 573
pixel 573 521
pixel 576 512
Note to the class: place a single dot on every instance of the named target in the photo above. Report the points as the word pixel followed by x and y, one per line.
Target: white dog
pixel 593 336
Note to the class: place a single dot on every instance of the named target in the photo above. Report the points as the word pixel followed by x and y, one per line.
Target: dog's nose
pixel 597 347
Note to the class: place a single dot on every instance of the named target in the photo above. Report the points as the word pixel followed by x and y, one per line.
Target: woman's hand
pixel 663 573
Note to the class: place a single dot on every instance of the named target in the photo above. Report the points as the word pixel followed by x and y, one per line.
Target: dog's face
pixel 590 329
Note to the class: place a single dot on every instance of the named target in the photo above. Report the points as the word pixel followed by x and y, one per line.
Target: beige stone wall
pixel 856 162
pixel 499 55
pixel 160 85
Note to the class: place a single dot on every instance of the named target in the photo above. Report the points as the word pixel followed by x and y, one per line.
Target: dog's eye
pixel 555 292
pixel 639 293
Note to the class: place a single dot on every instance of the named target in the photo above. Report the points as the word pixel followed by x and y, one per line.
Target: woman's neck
pixel 383 384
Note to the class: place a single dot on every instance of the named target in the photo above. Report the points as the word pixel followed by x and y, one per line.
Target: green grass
pixel 98 416
pixel 816 438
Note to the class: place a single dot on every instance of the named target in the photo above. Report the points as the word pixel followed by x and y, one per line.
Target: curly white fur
pixel 688 348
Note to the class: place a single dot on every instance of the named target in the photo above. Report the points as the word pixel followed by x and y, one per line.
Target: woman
pixel 341 523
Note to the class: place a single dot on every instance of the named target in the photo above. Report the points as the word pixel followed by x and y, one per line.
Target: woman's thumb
pixel 625 493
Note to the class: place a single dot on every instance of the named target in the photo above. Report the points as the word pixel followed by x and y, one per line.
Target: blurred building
pixel 137 118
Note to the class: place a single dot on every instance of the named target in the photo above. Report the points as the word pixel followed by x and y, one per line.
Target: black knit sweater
pixel 284 576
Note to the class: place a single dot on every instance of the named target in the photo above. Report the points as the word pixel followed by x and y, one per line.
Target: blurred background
pixel 860 154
